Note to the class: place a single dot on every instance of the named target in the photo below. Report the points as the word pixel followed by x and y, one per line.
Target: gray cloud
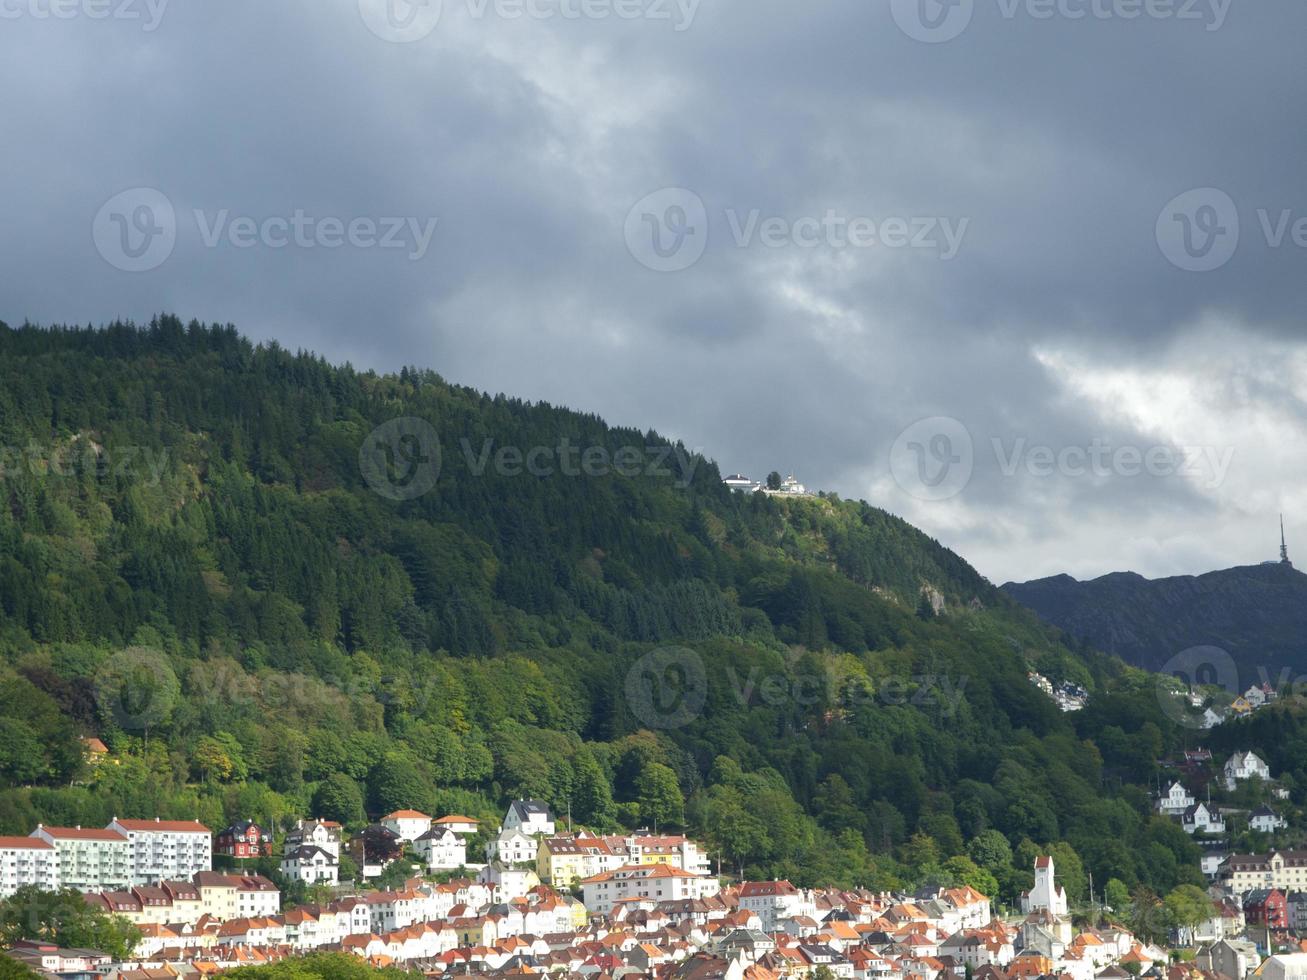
pixel 1059 321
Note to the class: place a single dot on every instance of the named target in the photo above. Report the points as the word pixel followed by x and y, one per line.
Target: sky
pixel 1028 273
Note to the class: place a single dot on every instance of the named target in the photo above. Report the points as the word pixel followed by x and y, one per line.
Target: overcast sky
pixel 941 257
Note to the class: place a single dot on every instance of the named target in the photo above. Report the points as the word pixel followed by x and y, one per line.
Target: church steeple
pixel 1284 547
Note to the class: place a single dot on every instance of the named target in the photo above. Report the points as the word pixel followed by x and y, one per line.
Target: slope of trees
pixel 195 567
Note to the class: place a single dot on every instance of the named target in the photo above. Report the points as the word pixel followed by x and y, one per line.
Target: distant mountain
pixel 1257 613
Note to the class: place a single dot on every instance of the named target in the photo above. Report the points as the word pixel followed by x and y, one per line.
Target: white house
pixel 166 848
pixel 773 901
pixel 90 859
pixel 1244 765
pixel 27 861
pixel 1266 820
pixel 1047 894
pixel 1174 800
pixel 312 865
pixel 531 817
pixel 315 833
pixel 463 826
pixel 1202 819
pixel 512 847
pixel 507 883
pixel 651 882
pixel 408 825
pixel 441 849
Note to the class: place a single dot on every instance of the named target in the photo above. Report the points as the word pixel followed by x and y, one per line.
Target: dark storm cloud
pixel 1059 324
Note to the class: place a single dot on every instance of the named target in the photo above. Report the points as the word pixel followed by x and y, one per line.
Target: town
pixel 546 900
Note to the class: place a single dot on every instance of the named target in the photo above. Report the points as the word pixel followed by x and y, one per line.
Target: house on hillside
pixel 407 825
pixel 1242 766
pixel 1202 819
pixel 1266 820
pixel 530 817
pixel 1174 800
pixel 312 865
pixel 441 849
pixel 325 834
pixel 244 839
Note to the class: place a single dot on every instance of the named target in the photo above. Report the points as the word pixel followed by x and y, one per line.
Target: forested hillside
pixel 211 561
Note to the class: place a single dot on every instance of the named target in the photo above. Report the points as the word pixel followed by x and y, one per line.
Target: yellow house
pixel 218 895
pixel 580 916
pixel 562 862
pixel 475 932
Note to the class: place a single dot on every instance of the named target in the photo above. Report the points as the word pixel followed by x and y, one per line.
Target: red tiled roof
pixel 24 843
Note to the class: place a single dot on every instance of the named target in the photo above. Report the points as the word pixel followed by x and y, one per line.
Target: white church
pixel 1047 895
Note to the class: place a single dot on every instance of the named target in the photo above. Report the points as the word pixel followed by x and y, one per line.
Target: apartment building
pixel 90 859
pixel 166 848
pixel 27 861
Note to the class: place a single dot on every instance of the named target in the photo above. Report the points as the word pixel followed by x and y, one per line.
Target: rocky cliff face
pixel 1257 613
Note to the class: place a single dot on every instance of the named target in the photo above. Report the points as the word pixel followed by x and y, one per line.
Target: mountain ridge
pixel 1254 612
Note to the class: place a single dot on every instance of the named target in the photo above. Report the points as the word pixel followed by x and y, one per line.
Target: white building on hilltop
pixel 1047 895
